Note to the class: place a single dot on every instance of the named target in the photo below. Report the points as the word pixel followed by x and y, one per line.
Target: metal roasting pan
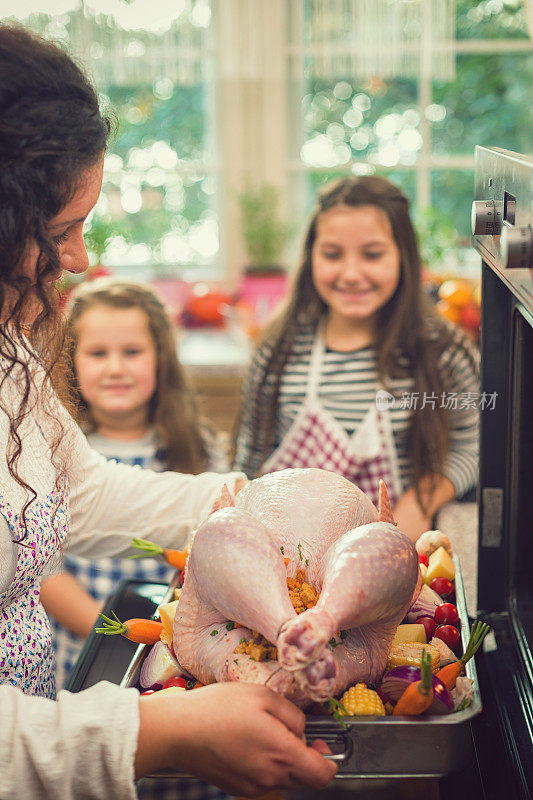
pixel 383 747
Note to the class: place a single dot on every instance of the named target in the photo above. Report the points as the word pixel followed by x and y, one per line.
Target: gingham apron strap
pixel 315 364
pixel 386 424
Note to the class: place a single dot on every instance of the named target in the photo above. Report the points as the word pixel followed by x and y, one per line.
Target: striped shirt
pixel 347 390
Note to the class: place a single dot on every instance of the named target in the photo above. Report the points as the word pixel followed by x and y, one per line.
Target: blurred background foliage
pixel 159 208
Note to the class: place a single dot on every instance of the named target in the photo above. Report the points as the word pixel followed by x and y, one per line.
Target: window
pixel 211 95
pixel 420 129
pixel 154 66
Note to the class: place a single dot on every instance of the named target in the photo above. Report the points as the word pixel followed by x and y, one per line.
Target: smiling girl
pixel 134 404
pixel 355 373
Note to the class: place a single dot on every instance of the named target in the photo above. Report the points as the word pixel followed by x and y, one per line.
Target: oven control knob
pixel 517 247
pixel 485 221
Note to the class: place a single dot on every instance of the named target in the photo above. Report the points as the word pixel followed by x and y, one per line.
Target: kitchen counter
pixel 215 360
pixel 459 522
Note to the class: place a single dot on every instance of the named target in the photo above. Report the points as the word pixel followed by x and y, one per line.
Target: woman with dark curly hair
pixel 243 738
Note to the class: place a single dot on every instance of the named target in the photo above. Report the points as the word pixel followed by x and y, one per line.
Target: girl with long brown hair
pixel 55 488
pixel 356 373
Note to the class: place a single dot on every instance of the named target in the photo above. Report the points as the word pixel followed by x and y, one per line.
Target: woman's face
pixel 355 262
pixel 116 365
pixel 67 230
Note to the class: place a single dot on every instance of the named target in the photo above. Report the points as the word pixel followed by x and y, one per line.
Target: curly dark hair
pixel 51 133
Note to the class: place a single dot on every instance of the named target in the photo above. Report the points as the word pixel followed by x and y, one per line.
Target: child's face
pixel 355 260
pixel 116 365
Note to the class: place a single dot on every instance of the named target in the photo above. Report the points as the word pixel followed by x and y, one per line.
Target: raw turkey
pixel 364 568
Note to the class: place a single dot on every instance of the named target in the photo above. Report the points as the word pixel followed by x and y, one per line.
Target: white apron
pixel 316 439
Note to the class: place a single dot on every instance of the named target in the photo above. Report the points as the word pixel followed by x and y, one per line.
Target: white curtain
pixel 379 38
pixel 128 56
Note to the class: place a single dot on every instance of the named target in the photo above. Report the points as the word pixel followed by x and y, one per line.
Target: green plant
pixel 265 233
pixel 99 233
pixel 436 235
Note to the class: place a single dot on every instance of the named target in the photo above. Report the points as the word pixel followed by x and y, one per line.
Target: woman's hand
pixel 241 737
pixel 408 514
pixel 410 518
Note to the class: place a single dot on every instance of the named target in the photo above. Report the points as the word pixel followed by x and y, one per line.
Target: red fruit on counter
pixel 449 635
pixel 423 559
pixel 442 586
pixel 176 680
pixel 446 614
pixel 429 626
pixel 148 691
pixel 471 316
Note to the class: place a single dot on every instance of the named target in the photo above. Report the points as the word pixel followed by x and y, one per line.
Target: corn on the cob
pixel 409 654
pixel 360 701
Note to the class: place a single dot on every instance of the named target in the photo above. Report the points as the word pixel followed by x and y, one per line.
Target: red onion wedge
pixel 424 605
pixel 398 679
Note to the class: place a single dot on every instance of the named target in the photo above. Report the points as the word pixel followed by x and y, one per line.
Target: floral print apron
pixel 26 653
pixel 316 439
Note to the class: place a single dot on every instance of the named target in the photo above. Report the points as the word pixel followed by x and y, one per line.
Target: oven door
pixel 503 735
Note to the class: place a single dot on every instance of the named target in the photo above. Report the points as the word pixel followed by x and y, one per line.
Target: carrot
pixel 287 561
pixel 449 674
pixel 176 558
pixel 142 631
pixel 418 697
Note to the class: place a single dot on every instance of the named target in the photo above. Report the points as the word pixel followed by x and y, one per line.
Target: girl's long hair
pixel 409 337
pixel 172 409
pixel 51 134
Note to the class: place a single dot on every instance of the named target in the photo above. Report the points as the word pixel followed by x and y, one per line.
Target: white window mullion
pixel 423 174
pixel 253 141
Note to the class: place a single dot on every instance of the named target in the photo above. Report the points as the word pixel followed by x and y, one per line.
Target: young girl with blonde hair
pixel 133 401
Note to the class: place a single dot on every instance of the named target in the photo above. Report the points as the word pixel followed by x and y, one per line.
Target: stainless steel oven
pixel 502 225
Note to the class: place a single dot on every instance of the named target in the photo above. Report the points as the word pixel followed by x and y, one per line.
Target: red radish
pixel 429 626
pixel 442 586
pixel 446 614
pixel 148 691
pixel 449 635
pixel 423 559
pixel 176 680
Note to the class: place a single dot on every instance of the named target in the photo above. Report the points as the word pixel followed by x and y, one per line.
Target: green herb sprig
pixel 338 710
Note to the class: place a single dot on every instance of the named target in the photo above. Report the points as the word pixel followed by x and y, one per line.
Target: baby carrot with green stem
pixel 418 697
pixel 141 631
pixel 176 558
pixel 449 674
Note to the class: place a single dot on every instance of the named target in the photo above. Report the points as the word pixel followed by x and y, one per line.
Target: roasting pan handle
pixel 335 739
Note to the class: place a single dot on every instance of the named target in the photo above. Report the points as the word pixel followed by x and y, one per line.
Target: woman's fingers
pixel 311 768
pixel 287 713
pixel 321 747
